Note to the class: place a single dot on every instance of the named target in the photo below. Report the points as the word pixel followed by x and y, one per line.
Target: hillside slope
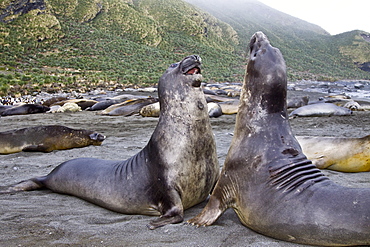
pixel 309 50
pixel 90 43
pixel 81 45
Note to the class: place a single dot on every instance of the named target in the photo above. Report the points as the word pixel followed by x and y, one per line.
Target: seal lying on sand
pixel 320 110
pixel 25 109
pixel 47 138
pixel 274 189
pixel 177 169
pixel 337 153
pixel 129 107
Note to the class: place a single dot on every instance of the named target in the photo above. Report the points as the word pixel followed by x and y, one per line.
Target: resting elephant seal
pixel 83 103
pixel 129 107
pixel 25 109
pixel 337 153
pixel 47 138
pixel 176 170
pixel 320 110
pixel 274 189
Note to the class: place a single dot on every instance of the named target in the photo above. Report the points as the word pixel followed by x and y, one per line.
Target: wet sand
pixel 42 218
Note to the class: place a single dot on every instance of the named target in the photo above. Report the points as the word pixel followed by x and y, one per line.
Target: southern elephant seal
pixel 274 189
pixel 83 103
pixel 176 170
pixel 320 110
pixel 46 139
pixel 214 109
pixel 297 102
pixel 337 153
pixel 129 107
pixel 152 110
pixel 25 109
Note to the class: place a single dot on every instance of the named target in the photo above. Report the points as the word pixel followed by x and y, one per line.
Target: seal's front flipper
pixel 31 184
pixel 209 214
pixel 36 148
pixel 172 216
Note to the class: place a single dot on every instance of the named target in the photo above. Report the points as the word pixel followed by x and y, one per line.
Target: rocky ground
pixel 42 218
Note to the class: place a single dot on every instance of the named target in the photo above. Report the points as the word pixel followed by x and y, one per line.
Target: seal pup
pixel 337 153
pixel 47 138
pixel 176 170
pixel 273 188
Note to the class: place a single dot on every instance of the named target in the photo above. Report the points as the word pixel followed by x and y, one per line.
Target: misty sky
pixel 335 16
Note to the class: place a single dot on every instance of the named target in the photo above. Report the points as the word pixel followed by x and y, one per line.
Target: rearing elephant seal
pixel 177 169
pixel 274 189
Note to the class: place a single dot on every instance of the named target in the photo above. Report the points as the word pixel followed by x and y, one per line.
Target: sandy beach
pixel 42 218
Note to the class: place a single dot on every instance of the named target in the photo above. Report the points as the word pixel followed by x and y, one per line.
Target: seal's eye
pixel 174 65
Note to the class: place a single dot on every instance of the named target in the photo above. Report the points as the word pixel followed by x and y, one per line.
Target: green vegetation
pixel 82 45
pixel 310 52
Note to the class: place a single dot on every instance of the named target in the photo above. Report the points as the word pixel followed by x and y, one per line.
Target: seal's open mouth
pixel 193 71
pixel 190 66
pixel 196 72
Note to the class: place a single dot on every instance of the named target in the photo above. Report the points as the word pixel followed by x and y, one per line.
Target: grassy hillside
pixel 110 43
pixel 52 45
pixel 310 52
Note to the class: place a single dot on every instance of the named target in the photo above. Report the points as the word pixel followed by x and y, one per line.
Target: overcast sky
pixel 335 16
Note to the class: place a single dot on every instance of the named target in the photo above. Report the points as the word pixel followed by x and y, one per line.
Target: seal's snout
pixel 258 40
pixel 191 65
pixel 97 137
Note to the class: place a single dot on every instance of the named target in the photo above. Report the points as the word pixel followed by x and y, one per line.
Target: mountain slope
pixel 80 45
pixel 309 50
pixel 107 42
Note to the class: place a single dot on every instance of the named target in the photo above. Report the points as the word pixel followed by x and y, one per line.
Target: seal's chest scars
pixel 274 189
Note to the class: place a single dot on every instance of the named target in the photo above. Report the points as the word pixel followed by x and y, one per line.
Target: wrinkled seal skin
pixel 47 138
pixel 337 153
pixel 274 189
pixel 177 169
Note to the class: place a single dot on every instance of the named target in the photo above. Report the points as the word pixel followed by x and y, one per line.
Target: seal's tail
pixel 26 185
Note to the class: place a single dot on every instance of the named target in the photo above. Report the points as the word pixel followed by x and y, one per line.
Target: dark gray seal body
pixel 177 169
pixel 274 189
pixel 47 138
pixel 25 109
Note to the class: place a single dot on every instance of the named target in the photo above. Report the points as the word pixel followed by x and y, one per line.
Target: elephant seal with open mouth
pixel 176 170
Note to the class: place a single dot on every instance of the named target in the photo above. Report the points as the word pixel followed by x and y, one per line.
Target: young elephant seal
pixel 47 138
pixel 274 189
pixel 341 154
pixel 176 170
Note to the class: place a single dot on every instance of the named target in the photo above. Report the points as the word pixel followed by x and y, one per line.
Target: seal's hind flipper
pixel 165 220
pixel 172 216
pixel 26 185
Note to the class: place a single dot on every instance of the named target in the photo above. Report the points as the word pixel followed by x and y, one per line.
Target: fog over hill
pixel 308 49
